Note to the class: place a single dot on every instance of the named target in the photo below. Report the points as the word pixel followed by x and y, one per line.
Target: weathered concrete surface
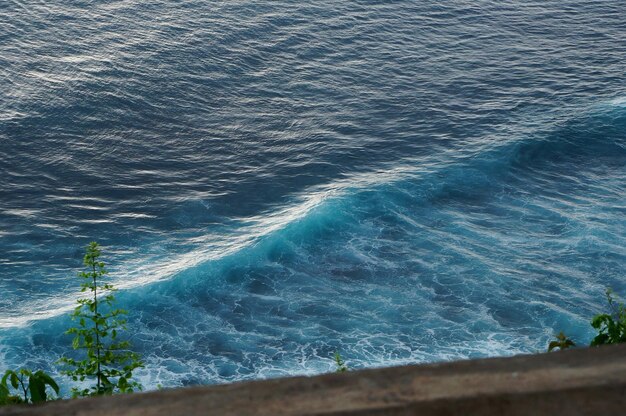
pixel 588 381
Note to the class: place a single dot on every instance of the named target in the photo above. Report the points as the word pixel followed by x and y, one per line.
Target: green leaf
pixel 14 380
pixel 6 376
pixel 37 389
pixel 48 380
pixel 4 393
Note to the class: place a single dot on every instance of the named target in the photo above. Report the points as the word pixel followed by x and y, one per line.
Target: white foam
pixel 143 271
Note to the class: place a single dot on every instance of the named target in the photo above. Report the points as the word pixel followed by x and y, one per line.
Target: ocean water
pixel 274 181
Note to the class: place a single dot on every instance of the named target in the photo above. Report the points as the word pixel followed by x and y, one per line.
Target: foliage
pixel 107 361
pixel 32 387
pixel 340 364
pixel 611 326
pixel 562 342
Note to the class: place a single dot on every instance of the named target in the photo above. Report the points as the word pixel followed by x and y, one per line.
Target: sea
pixel 272 182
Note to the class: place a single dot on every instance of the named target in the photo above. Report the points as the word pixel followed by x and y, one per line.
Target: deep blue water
pixel 273 181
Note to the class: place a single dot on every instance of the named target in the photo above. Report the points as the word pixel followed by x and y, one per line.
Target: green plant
pixel 32 387
pixel 340 364
pixel 611 326
pixel 562 342
pixel 108 362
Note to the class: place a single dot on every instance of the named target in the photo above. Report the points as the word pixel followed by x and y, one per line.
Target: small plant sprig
pixel 562 342
pixel 611 326
pixel 340 364
pixel 108 362
pixel 31 386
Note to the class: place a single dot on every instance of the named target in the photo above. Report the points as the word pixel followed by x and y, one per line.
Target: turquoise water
pixel 272 181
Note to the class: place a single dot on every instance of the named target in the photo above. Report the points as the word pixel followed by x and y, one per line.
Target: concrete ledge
pixel 590 381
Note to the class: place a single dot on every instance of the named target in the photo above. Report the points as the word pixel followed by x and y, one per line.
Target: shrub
pixel 611 326
pixel 107 361
pixel 32 387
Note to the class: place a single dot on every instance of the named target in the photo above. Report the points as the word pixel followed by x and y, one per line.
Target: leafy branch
pixel 107 361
